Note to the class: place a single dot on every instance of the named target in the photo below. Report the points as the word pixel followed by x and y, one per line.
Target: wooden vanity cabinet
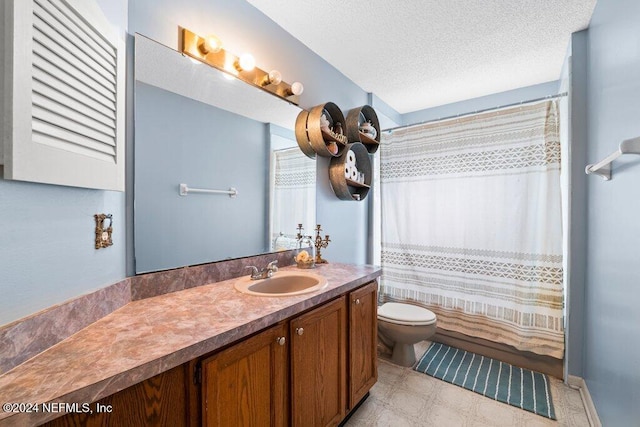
pixel 332 365
pixel 246 384
pixel 363 342
pixel 318 365
pixel 162 400
pixel 310 370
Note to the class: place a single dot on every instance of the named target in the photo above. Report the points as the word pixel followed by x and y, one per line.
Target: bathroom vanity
pixel 211 355
pixel 322 363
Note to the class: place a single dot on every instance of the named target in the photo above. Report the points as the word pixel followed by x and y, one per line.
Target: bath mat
pixel 500 381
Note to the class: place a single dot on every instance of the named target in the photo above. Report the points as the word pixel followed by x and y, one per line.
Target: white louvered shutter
pixel 65 120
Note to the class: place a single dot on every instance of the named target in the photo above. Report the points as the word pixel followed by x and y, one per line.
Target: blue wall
pixel 612 295
pixel 46 235
pixel 47 252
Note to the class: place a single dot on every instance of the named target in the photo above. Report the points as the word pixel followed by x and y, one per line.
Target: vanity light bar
pixel 226 61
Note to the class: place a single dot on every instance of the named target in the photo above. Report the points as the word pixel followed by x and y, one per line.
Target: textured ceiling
pixel 416 54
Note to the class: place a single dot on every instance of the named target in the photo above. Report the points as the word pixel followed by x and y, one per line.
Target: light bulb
pixel 273 78
pixel 210 44
pixel 296 89
pixel 246 62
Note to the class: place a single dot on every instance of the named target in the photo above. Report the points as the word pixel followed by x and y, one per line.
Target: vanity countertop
pixel 150 336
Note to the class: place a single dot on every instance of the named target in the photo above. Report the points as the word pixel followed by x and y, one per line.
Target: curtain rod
pixel 529 101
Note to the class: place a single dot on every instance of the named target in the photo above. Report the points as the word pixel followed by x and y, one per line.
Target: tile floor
pixel 403 397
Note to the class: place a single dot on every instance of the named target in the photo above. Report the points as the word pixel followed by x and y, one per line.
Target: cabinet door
pixel 246 384
pixel 318 365
pixel 363 333
pixel 159 401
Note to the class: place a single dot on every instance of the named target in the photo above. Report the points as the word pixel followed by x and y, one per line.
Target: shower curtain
pixel 472 225
pixel 293 196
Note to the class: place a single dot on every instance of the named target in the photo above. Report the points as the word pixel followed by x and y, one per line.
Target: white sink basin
pixel 281 284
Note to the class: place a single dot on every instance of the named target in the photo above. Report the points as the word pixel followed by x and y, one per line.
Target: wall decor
pixel 350 174
pixel 319 131
pixel 363 126
pixel 325 132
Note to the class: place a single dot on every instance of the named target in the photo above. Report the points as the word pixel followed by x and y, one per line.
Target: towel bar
pixel 184 190
pixel 603 167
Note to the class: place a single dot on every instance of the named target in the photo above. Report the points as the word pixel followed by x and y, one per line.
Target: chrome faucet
pixel 265 273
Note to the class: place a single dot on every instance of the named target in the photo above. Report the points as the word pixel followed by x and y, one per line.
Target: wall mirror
pixel 195 125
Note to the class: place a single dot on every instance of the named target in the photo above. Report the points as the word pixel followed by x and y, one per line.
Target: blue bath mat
pixel 500 381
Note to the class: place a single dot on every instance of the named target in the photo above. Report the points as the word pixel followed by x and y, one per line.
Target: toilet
pixel 400 326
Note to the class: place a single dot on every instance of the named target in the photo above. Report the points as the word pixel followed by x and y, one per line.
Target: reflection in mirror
pixel 194 126
pixel 160 66
pixel 292 192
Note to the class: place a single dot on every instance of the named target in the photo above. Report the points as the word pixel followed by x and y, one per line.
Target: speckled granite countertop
pixel 150 336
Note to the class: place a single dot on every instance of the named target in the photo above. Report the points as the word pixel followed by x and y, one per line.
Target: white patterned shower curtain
pixel 293 195
pixel 472 224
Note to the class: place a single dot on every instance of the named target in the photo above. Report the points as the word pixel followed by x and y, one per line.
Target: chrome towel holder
pixel 603 167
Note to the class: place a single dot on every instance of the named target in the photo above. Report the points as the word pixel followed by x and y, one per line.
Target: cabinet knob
pixel 299 331
pixel 357 301
pixel 281 340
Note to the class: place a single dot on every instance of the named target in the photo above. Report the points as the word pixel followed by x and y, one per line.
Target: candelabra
pixel 320 243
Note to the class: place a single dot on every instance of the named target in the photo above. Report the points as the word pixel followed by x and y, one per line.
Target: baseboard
pixel 580 384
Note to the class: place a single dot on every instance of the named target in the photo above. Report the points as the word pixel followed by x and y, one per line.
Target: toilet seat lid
pixel 405 314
